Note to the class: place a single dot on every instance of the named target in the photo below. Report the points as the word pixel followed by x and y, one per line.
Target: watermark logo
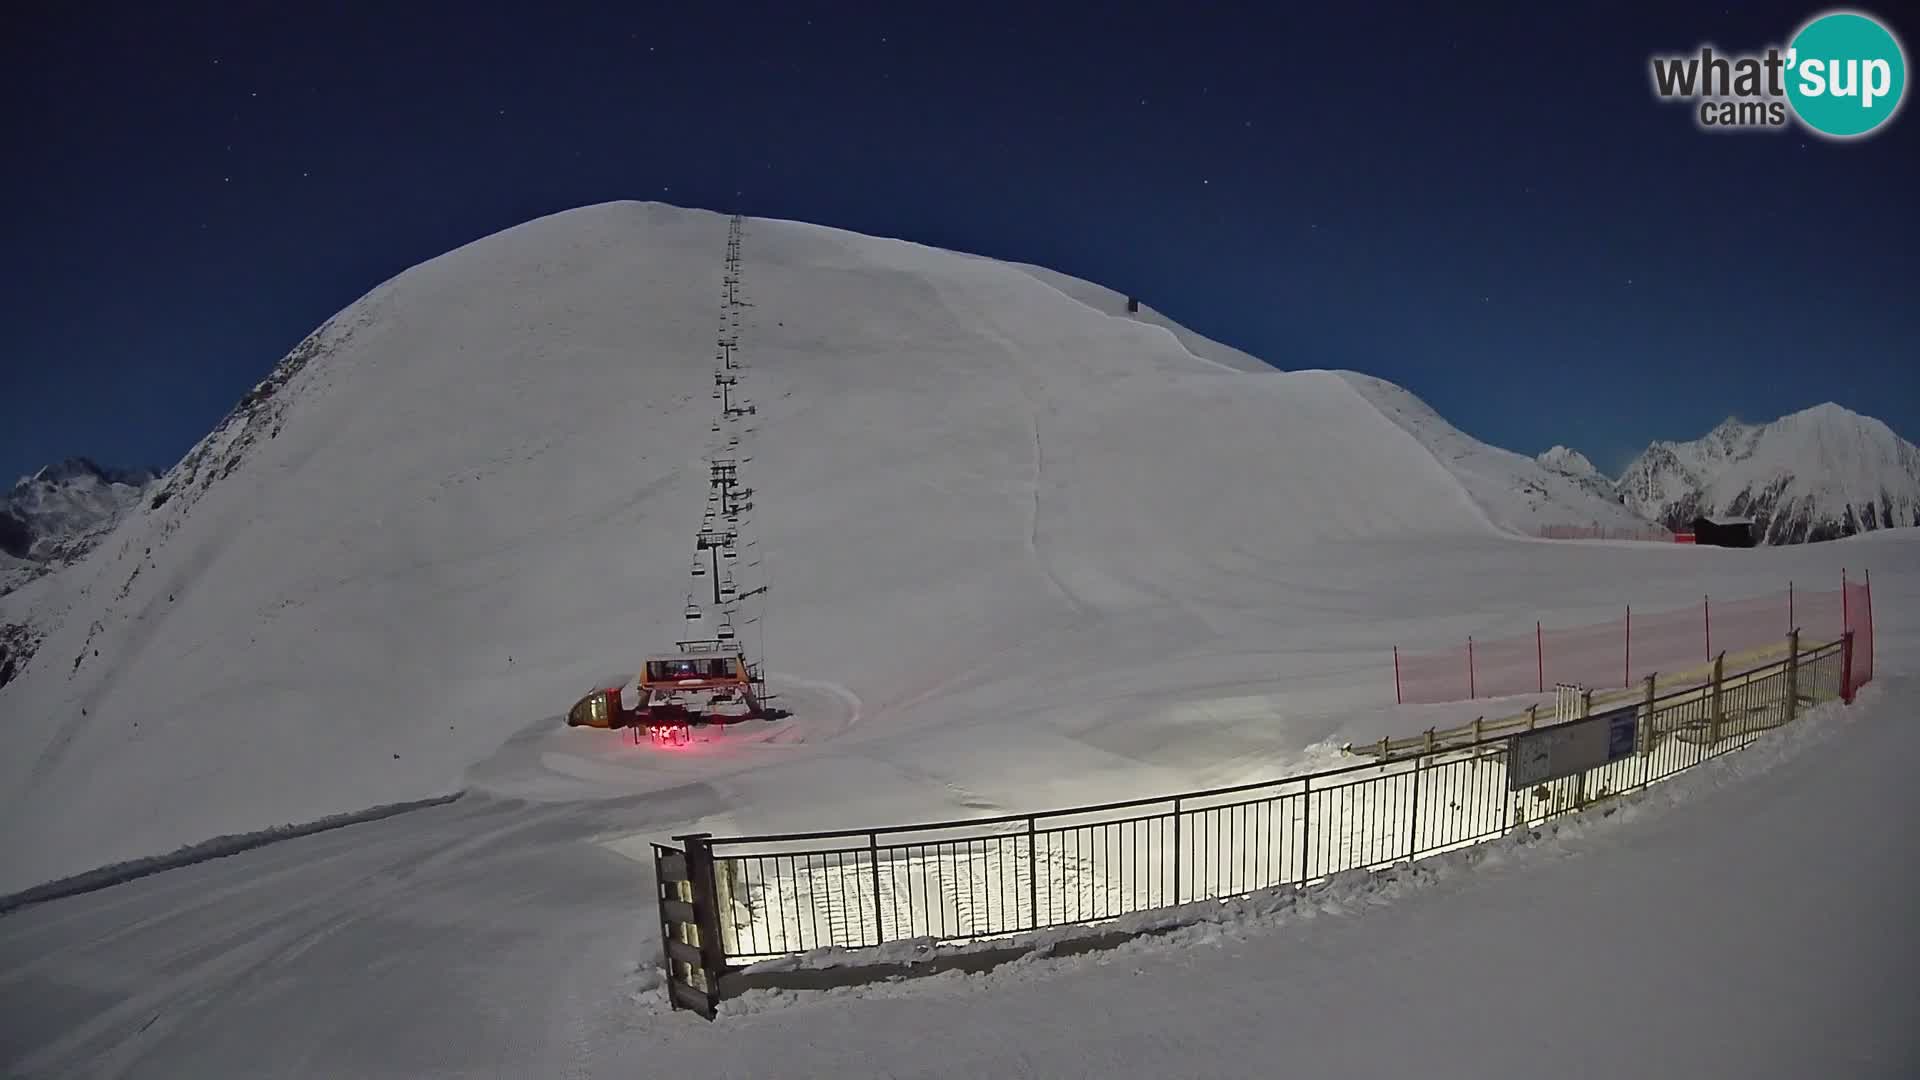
pixel 1842 75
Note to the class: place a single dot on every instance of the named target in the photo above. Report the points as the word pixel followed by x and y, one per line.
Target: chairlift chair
pixel 699 568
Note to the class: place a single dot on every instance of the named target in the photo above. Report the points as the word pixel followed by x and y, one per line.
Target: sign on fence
pixel 1535 757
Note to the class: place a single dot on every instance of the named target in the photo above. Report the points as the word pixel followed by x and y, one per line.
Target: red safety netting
pixel 1857 604
pixel 1506 666
pixel 1650 534
pixel 1593 655
pixel 1671 640
pixel 1637 644
pixel 1446 673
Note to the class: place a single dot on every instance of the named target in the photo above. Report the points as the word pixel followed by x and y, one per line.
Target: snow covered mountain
pixel 991 496
pixel 50 521
pixel 1817 474
pixel 1517 493
pixel 54 517
pixel 1567 460
pixel 1575 466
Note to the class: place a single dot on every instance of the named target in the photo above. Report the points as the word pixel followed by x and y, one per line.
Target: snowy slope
pixel 1106 300
pixel 1017 551
pixel 475 490
pixel 482 940
pixel 1516 492
pixel 1021 554
pixel 1813 475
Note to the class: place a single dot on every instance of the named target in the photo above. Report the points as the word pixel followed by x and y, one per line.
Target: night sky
pixel 1483 203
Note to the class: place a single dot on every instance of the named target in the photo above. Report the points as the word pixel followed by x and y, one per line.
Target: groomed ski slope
pixel 1018 550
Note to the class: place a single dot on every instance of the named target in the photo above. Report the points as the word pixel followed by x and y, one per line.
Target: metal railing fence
pixel 956 881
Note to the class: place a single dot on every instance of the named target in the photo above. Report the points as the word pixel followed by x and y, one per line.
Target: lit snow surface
pixel 1022 551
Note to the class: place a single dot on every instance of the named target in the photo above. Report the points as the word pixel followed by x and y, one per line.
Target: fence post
pixel 873 854
pixel 1646 716
pixel 1033 872
pixel 1586 704
pixel 1472 691
pixel 1714 708
pixel 1846 667
pixel 1793 676
pixel 1792 624
pixel 713 956
pixel 1533 716
pixel 1176 851
pixel 1413 816
pixel 1306 825
pixel 1869 599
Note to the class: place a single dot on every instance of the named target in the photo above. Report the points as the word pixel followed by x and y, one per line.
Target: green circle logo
pixel 1846 74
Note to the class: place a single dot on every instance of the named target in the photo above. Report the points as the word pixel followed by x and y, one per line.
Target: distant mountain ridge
pixel 1817 474
pixel 54 517
pixel 50 520
pixel 1575 466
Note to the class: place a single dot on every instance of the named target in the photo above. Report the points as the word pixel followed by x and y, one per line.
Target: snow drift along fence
pixel 1621 652
pixel 734 901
